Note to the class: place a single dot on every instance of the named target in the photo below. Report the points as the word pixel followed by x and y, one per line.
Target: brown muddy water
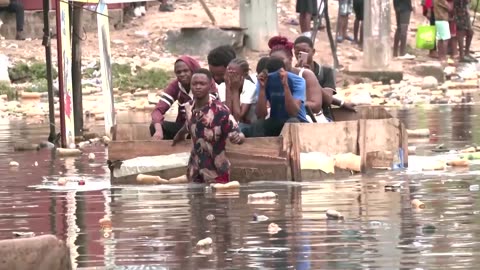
pixel 158 227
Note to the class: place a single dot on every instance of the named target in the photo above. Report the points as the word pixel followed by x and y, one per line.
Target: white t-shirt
pixel 248 96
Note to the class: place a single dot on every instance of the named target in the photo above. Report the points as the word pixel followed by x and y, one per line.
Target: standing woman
pixel 403 10
pixel 177 90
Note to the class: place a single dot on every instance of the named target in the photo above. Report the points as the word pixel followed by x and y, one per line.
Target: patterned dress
pixel 462 16
pixel 209 128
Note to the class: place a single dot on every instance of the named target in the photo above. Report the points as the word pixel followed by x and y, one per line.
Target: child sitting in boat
pixel 209 123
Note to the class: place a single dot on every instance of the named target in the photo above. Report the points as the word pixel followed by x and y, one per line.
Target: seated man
pixel 218 60
pixel 325 75
pixel 177 90
pixel 16 7
pixel 209 123
pixel 285 92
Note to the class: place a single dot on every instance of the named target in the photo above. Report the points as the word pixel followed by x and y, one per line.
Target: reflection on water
pixel 159 226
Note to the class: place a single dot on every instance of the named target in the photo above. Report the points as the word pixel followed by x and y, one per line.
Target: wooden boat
pixel 372 133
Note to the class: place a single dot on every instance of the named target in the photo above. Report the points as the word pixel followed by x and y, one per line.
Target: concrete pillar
pixel 259 17
pixel 377 52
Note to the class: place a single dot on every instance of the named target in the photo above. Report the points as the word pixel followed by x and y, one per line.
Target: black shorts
pixel 307 6
pixel 358 9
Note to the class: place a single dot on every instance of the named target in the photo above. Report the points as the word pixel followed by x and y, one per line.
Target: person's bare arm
pixel 327 96
pixel 180 136
pixel 244 109
pixel 313 91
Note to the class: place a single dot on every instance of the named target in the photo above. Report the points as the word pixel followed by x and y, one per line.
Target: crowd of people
pixel 453 27
pixel 451 19
pixel 229 101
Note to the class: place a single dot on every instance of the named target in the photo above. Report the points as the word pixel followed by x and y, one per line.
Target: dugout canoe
pixel 372 133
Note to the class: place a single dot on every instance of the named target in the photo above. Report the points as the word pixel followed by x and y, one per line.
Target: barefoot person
pixel 210 124
pixel 358 23
pixel 441 9
pixel 453 43
pixel 307 10
pixel 177 90
pixel 344 9
pixel 464 30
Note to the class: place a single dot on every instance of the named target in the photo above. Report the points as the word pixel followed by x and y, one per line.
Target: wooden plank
pixel 362 142
pixel 244 169
pixel 379 135
pixel 363 112
pixel 380 159
pixel 330 138
pixel 295 152
pixel 123 150
pixel 131 132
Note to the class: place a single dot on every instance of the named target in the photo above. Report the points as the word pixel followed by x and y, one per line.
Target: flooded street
pixel 157 227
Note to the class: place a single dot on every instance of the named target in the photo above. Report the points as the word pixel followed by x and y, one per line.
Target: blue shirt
pixel 276 95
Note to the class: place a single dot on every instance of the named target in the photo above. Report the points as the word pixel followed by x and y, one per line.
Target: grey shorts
pixel 345 7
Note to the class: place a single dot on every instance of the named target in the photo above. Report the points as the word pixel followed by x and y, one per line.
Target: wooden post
pixel 48 61
pixel 77 68
pixel 259 17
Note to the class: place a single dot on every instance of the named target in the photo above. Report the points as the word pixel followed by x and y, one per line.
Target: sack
pixel 426 37
pixel 4 3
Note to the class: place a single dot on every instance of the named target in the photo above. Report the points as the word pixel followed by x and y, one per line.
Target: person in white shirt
pixel 240 92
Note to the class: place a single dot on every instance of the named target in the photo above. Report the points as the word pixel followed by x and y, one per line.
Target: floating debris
pixel 264 195
pixel 23 234
pixel 229 185
pixel 62 181
pixel 205 242
pixel 210 217
pixel 259 218
pixel 260 250
pixel 14 164
pixel 458 163
pixel 333 214
pixel 474 188
pixel 416 203
pixel 65 152
pixel 273 228
pixel 429 229
pixel 91 157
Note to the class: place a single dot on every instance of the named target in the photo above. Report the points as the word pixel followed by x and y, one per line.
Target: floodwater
pixel 158 227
